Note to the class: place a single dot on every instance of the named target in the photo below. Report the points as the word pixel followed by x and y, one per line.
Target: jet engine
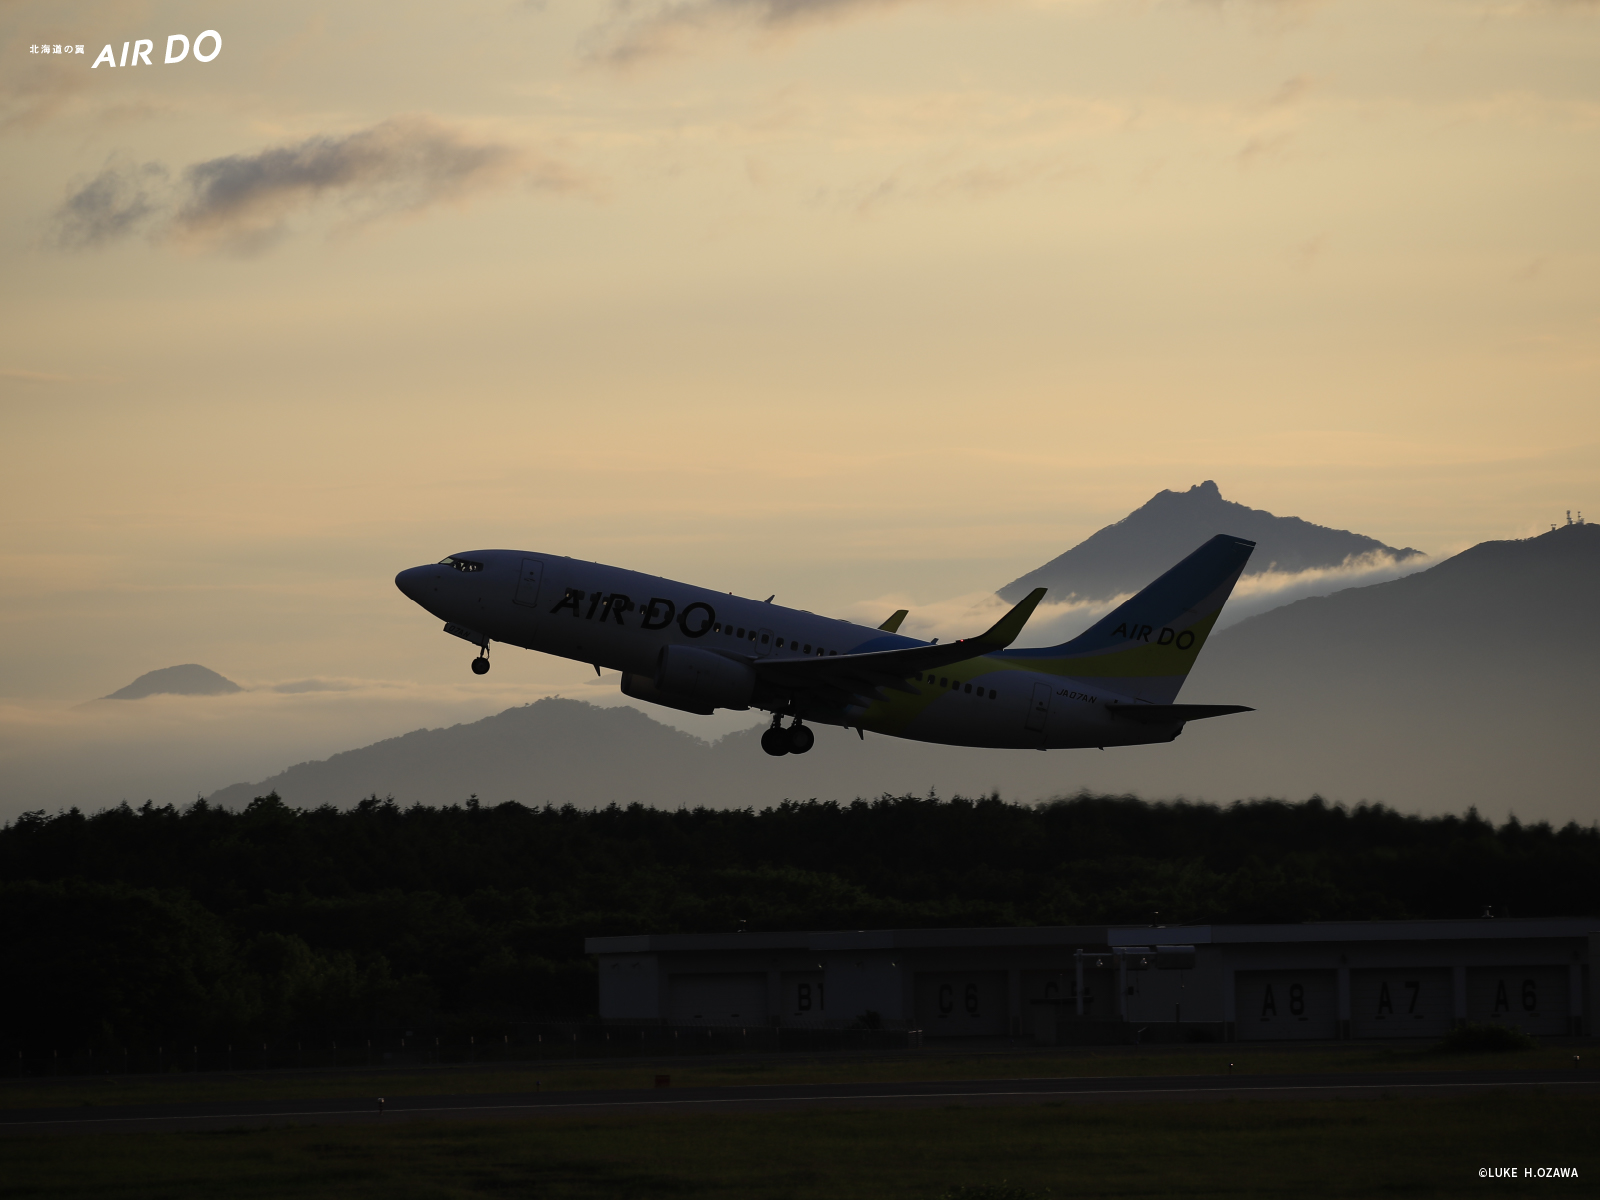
pixel 642 687
pixel 694 680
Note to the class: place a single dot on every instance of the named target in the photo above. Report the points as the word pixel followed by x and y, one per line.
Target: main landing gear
pixel 778 741
pixel 480 665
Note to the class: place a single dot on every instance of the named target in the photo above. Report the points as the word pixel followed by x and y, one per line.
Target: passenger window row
pixel 805 648
pixel 945 682
pixel 794 645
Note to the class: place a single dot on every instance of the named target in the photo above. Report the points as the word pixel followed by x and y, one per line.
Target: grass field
pixel 1354 1148
pixel 900 1066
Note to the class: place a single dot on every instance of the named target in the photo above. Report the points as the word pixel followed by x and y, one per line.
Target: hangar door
pixel 804 998
pixel 1050 997
pixel 1401 1003
pixel 717 1000
pixel 1532 999
pixel 962 1003
pixel 1285 1005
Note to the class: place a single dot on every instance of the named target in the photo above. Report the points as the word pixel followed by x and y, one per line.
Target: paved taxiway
pixel 667 1101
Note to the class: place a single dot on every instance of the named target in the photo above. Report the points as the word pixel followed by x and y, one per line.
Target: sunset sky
pixel 855 301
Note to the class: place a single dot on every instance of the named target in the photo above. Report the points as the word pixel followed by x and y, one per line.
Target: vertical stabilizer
pixel 1146 647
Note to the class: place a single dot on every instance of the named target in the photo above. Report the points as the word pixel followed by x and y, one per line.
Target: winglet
pixel 892 625
pixel 1009 627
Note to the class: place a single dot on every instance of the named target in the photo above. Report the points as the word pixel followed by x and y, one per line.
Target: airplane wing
pixel 1162 714
pixel 843 679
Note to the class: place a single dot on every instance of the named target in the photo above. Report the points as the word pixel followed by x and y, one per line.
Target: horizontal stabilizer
pixel 1165 714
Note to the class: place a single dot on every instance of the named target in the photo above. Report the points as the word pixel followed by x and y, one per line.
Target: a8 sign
pixel 1285 1005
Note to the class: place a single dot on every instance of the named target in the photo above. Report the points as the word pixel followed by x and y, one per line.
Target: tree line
pixel 137 925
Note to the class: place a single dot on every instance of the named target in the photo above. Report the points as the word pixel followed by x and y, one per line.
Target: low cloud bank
pixel 171 748
pixel 1054 623
pixel 245 203
pixel 1256 594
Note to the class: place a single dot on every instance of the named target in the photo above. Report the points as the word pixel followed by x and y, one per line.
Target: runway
pixel 684 1101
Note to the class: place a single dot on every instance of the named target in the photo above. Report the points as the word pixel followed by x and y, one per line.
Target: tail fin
pixel 1146 647
pixel 892 625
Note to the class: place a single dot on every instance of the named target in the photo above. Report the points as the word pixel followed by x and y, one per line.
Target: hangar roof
pixel 859 939
pixel 1474 929
pixel 1099 935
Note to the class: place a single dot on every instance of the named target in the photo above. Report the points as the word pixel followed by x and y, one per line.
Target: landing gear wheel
pixel 775 741
pixel 800 738
pixel 480 665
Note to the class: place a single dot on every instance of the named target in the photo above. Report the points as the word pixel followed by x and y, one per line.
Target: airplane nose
pixel 410 582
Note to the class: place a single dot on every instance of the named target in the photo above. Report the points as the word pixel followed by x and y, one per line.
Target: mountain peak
pixel 189 679
pixel 1130 553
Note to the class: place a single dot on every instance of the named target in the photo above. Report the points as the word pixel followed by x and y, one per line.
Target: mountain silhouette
pixel 552 751
pixel 1125 556
pixel 191 679
pixel 1468 683
pixel 1471 682
pixel 559 751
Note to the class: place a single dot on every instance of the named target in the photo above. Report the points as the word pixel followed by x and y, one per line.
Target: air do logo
pixel 178 48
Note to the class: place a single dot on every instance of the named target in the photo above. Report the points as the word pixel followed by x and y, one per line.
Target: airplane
pixel 698 650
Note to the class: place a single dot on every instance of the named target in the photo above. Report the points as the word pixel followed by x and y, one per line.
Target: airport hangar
pixel 1105 985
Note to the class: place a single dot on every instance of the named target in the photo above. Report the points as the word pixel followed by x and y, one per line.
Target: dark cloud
pixel 403 165
pixel 777 12
pixel 121 200
pixel 245 202
pixel 645 30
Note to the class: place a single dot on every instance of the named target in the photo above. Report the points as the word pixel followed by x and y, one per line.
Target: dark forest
pixel 133 926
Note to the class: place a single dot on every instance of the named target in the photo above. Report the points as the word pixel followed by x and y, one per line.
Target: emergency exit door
pixel 528 582
pixel 1039 707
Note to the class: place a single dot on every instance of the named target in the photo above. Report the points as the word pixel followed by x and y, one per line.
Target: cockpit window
pixel 461 564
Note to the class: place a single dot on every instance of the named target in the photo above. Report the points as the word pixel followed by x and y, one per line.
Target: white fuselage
pixel 622 620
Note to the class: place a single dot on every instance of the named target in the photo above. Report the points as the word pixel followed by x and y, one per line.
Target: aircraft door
pixel 528 582
pixel 1038 707
pixel 763 642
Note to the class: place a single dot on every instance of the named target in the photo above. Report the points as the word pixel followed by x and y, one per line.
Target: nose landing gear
pixel 778 741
